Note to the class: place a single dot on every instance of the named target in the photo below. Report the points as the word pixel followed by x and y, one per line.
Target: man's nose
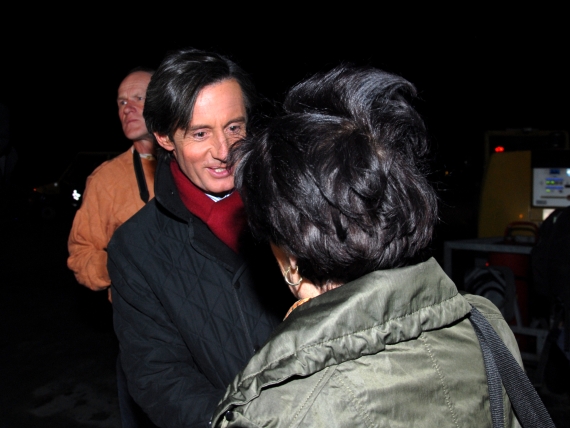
pixel 222 147
pixel 128 108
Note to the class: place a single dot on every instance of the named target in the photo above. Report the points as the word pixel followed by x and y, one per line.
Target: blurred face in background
pixel 130 99
pixel 218 121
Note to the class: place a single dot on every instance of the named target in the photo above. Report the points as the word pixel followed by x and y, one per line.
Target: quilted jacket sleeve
pixel 111 197
pixel 87 242
pixel 162 376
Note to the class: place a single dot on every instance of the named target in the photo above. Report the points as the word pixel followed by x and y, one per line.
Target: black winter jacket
pixel 188 311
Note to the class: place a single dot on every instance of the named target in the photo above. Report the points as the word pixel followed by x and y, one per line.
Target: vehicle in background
pixel 63 197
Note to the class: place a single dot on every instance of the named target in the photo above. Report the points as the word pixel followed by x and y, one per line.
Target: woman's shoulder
pixel 490 311
pixel 485 306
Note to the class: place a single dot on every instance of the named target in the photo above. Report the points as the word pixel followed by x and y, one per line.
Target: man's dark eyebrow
pixel 238 119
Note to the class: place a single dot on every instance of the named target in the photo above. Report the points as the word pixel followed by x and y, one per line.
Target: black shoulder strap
pixel 143 188
pixel 501 366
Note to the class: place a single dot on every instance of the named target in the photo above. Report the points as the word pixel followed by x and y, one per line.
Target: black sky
pixel 473 74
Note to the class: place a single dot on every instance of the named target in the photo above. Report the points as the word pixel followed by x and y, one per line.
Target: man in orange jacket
pixel 113 192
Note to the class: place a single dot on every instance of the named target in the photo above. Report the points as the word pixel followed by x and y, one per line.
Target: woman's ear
pixel 164 142
pixel 281 256
pixel 301 288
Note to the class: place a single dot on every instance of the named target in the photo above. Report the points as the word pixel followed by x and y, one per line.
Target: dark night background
pixel 476 70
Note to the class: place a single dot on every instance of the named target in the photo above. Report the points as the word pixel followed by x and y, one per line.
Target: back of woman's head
pixel 339 179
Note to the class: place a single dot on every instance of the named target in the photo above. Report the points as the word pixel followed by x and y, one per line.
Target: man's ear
pixel 164 142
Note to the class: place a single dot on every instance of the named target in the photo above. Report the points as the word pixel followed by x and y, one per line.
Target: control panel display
pixel 551 187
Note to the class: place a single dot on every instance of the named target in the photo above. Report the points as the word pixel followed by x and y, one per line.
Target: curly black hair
pixel 339 179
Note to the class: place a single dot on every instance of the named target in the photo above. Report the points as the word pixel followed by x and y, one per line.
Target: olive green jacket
pixel 391 349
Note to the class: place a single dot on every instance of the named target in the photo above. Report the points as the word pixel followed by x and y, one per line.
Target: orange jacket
pixel 111 197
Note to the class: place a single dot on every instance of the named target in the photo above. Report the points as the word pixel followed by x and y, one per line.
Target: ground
pixel 57 345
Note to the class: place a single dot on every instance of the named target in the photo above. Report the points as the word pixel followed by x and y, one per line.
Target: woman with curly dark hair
pixel 380 336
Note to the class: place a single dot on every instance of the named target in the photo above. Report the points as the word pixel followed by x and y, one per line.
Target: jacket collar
pixel 166 192
pixel 358 318
pixel 201 237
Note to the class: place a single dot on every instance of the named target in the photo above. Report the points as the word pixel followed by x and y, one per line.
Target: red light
pixel 499 149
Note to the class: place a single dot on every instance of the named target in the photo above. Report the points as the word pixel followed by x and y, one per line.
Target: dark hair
pixel 339 179
pixel 174 88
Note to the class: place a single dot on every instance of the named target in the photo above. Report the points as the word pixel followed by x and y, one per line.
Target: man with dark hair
pixel 189 308
pixel 115 191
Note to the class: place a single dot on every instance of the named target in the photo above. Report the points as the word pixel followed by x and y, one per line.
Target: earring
pixel 294 269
